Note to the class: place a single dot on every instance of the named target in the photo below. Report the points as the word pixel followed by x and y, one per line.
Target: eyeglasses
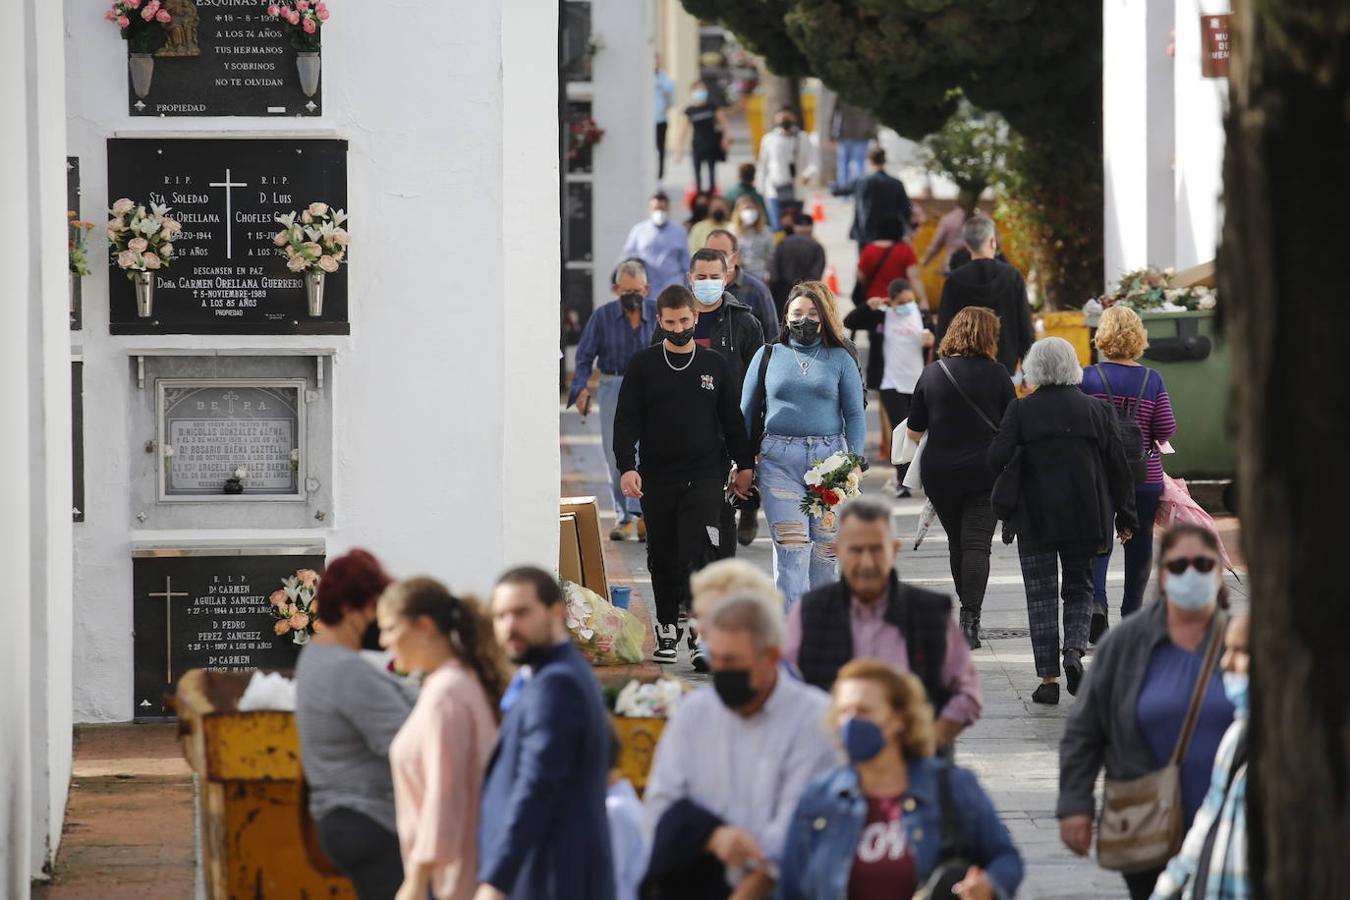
pixel 1202 564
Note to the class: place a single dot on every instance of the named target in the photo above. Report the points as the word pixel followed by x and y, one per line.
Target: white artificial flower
pixel 813 475
pixel 241 473
pixel 287 220
pixel 168 450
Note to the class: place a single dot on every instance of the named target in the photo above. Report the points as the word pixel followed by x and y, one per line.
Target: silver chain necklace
pixel 805 364
pixel 666 354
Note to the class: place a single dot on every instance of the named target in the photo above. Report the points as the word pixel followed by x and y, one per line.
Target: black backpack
pixel 1131 435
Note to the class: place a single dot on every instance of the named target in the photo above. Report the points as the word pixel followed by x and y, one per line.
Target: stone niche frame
pixel 155 371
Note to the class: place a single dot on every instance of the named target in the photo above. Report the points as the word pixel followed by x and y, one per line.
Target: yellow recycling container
pixel 257 839
pixel 1072 326
pixel 638 738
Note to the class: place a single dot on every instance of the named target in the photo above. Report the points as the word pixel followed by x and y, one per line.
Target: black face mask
pixel 733 687
pixel 719 215
pixel 804 331
pixel 631 301
pixel 370 640
pixel 787 125
pixel 680 338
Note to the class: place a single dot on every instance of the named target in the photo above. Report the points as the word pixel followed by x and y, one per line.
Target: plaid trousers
pixel 1041 566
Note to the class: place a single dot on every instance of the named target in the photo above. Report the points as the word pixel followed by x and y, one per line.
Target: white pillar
pixel 1201 104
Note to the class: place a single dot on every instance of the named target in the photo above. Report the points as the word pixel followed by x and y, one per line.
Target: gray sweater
pixel 347 712
pixel 1102 726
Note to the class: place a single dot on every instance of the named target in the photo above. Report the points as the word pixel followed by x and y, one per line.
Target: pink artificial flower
pixel 302 5
pixel 138 245
pixel 296 263
pixel 123 21
pixel 299 620
pixel 153 6
pixel 126 259
pixel 293 17
pixel 273 10
pixel 323 13
pixel 310 25
pixel 132 4
pixel 163 16
pixel 111 15
pixel 150 261
pixel 147 14
pixel 328 264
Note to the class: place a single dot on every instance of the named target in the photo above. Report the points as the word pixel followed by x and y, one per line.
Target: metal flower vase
pixel 310 66
pixel 145 293
pixel 142 71
pixel 73 283
pixel 314 292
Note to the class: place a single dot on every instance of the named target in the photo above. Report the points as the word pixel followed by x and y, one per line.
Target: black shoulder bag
pixel 953 857
pixel 757 430
pixel 1127 426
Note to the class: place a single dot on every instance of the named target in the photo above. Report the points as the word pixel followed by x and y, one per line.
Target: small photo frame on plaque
pixel 210 430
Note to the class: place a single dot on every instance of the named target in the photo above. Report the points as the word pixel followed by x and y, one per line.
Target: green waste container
pixel 1186 350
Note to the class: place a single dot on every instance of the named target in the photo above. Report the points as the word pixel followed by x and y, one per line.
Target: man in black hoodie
pixel 995 285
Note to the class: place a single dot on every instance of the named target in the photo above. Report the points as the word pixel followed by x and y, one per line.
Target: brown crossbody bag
pixel 1141 825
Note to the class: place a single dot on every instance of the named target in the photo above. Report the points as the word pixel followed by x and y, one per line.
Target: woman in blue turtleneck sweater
pixel 812 399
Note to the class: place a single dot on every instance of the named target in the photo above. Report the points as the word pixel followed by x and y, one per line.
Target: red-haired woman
pixel 348 711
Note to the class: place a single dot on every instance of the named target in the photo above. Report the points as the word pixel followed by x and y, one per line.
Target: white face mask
pixel 749 215
pixel 659 217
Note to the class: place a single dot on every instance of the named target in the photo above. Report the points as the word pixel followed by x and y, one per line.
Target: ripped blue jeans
pixel 803 556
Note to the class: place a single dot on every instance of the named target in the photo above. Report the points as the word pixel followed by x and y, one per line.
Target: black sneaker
pixel 699 660
pixel 1047 694
pixel 1073 672
pixel 667 639
pixel 970 628
pixel 748 529
pixel 1098 628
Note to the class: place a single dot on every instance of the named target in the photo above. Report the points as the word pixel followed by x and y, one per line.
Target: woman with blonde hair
pixel 756 240
pixel 1137 393
pixel 807 391
pixel 959 402
pixel 440 754
pixel 873 827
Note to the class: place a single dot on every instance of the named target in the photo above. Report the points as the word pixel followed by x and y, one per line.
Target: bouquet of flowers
pixel 139 21
pixel 304 19
pixel 649 701
pixel 294 606
pixel 830 482
pixel 141 241
pixel 584 133
pixel 78 253
pixel 605 634
pixel 314 242
pixel 1155 290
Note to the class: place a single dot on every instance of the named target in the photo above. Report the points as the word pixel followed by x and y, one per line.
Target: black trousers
pixel 660 150
pixel 1140 885
pixel 684 529
pixel 969 522
pixel 896 405
pixel 705 158
pixel 364 851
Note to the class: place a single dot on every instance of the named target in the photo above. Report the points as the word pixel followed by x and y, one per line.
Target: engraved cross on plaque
pixel 227 184
pixel 230 397
pixel 168 594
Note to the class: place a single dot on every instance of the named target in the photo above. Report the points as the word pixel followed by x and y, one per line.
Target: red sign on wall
pixel 1216 41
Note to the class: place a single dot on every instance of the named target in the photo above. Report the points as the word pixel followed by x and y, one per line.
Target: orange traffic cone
pixel 818 210
pixel 831 280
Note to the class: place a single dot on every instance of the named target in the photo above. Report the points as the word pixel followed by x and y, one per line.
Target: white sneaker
pixel 667 639
pixel 890 486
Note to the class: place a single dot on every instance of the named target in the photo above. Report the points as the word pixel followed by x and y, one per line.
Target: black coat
pixel 880 205
pixel 1073 476
pixel 996 286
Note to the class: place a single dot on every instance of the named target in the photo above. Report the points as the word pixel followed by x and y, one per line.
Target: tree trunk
pixel 1283 297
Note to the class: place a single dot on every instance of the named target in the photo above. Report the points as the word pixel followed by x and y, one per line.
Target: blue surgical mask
pixel 862 739
pixel 698 97
pixel 907 309
pixel 1192 589
pixel 1235 687
pixel 708 291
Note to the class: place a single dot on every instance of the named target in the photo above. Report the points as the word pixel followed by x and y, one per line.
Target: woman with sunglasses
pixel 810 395
pixel 1130 711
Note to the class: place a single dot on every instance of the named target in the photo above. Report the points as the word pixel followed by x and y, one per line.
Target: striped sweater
pixel 1154 414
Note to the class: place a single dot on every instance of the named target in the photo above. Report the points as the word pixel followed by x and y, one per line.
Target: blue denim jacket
pixel 830 816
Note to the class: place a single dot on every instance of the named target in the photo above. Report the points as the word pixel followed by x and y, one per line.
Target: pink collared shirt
pixel 875 638
pixel 438 759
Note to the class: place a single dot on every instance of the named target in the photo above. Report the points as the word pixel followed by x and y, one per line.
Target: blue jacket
pixel 543 831
pixel 825 829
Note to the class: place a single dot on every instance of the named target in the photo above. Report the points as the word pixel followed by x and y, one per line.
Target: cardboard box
pixel 587 513
pixel 569 548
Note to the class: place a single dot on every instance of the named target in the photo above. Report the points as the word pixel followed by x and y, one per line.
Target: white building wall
pixel 1201 104
pixel 444 395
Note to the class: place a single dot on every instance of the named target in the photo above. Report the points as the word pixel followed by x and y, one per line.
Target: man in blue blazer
pixel 543 833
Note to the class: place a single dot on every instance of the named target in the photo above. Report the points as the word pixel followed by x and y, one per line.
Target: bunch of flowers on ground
pixel 314 241
pixel 294 606
pixel 78 254
pixel 605 634
pixel 142 241
pixel 1155 290
pixel 302 19
pixel 830 482
pixel 584 133
pixel 139 21
pixel 649 701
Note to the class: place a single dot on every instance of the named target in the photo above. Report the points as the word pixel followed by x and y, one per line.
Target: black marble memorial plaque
pixel 578 214
pixel 73 204
pixel 224 58
pixel 211 429
pixel 206 611
pixel 227 277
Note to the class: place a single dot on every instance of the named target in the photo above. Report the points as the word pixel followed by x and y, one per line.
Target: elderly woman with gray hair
pixel 1063 477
